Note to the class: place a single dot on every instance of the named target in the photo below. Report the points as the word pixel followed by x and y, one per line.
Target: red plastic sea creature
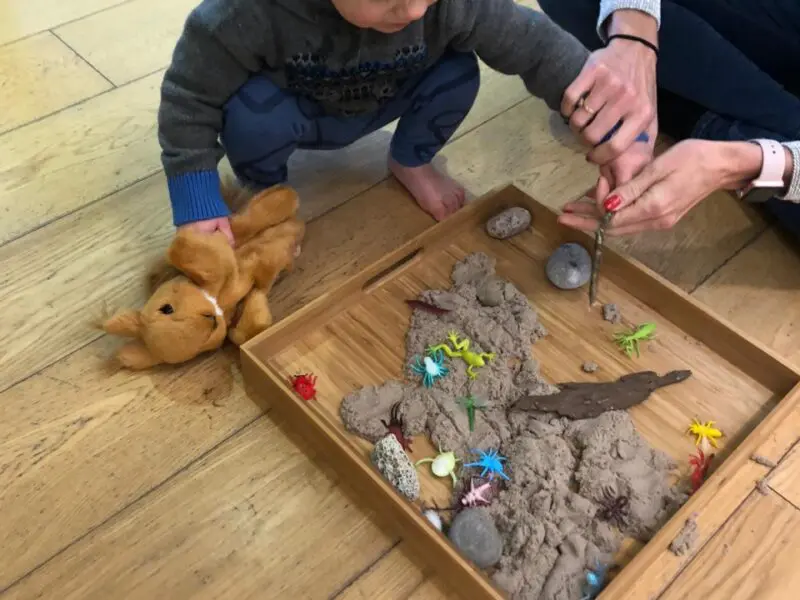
pixel 428 307
pixel 395 426
pixel 700 465
pixel 304 385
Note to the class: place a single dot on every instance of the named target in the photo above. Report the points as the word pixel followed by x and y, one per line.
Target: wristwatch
pixel 769 182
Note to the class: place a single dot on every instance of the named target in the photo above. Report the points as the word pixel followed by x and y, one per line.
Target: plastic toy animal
pixel 461 350
pixel 700 464
pixel 305 386
pixel 628 341
pixel 395 426
pixel 704 431
pixel 442 465
pixel 476 496
pixel 595 581
pixel 491 462
pixel 431 368
pixel 471 404
pixel 614 508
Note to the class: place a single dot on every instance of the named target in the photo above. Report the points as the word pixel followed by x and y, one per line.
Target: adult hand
pixel 211 225
pixel 666 189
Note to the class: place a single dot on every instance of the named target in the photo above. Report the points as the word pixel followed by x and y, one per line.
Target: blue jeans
pixel 727 70
pixel 263 124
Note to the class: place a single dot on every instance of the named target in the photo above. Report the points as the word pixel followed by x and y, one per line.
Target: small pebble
pixel 763 461
pixel 611 313
pixel 508 223
pixel 569 267
pixel 491 292
pixel 474 533
pixel 762 486
pixel 589 367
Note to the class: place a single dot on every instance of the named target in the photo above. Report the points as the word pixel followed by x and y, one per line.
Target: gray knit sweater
pixel 653 8
pixel 307 48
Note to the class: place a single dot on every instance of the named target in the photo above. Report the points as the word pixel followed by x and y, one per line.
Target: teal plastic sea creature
pixel 461 350
pixel 431 368
pixel 628 341
pixel 491 462
pixel 442 465
pixel 471 404
pixel 595 581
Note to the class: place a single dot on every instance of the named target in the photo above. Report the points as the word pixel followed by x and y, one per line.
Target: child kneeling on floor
pixel 257 79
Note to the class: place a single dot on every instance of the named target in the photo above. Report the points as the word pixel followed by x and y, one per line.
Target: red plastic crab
pixel 700 465
pixel 395 426
pixel 304 385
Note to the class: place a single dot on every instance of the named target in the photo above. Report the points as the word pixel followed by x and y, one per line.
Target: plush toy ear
pixel 126 323
pixel 135 356
pixel 207 259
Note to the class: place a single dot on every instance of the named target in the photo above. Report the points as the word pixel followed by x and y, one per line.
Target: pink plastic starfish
pixel 475 496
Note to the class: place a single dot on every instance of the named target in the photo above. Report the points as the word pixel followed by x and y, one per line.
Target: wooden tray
pixel 354 336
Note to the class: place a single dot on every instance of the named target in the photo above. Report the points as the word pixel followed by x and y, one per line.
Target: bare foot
pixel 436 193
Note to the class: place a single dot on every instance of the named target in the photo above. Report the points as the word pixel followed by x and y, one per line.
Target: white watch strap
pixel 773 165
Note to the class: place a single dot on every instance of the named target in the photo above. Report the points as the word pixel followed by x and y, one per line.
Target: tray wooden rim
pixel 752 357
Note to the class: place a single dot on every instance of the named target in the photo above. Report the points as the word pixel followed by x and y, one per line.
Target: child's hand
pixel 211 225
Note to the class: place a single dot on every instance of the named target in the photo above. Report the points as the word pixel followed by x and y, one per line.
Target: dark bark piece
pixel 588 400
pixel 428 307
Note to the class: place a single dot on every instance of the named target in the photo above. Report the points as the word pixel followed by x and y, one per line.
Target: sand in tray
pixel 562 471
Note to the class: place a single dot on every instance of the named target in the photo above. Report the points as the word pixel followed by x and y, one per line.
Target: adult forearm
pixel 745 161
pixel 637 17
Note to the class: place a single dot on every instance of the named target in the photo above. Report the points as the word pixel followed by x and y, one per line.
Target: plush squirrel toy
pixel 217 291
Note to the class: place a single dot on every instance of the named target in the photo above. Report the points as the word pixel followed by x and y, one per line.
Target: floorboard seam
pixel 135 501
pixel 84 59
pixel 349 583
pixel 733 255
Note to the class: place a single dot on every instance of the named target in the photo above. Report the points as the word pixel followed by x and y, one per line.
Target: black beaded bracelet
pixel 634 38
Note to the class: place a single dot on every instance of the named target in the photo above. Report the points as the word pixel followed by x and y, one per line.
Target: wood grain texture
pixel 41 75
pixel 785 479
pixel 21 19
pixel 754 556
pixel 129 40
pixel 759 290
pixel 83 433
pixel 393 576
pixel 234 524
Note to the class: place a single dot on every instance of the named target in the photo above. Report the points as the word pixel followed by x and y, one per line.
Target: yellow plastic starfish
pixel 704 431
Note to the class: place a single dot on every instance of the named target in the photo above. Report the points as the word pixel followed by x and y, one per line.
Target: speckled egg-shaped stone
pixel 569 267
pixel 508 223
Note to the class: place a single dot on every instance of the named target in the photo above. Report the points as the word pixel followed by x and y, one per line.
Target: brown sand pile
pixel 562 471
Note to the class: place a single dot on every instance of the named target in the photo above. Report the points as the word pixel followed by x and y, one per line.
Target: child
pixel 257 79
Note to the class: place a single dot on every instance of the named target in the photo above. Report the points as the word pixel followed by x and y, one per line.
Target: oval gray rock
pixel 569 267
pixel 474 533
pixel 508 223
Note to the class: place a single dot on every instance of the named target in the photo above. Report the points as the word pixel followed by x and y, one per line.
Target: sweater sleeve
pixel 214 56
pixel 607 7
pixel 516 40
pixel 793 193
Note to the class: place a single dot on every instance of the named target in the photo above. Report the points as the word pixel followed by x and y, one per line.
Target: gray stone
pixel 611 313
pixel 508 223
pixel 491 292
pixel 474 533
pixel 569 267
pixel 393 463
pixel 589 367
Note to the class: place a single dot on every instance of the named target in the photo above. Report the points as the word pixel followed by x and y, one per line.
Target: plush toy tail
pixel 267 209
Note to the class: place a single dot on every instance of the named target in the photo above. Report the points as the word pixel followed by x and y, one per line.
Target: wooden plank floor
pixel 171 484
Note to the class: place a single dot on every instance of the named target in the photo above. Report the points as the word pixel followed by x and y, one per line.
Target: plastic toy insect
pixel 491 462
pixel 395 426
pixel 595 581
pixel 305 386
pixel 461 350
pixel 700 464
pixel 442 465
pixel 471 404
pixel 628 341
pixel 431 368
pixel 704 432
pixel 614 508
pixel 476 496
